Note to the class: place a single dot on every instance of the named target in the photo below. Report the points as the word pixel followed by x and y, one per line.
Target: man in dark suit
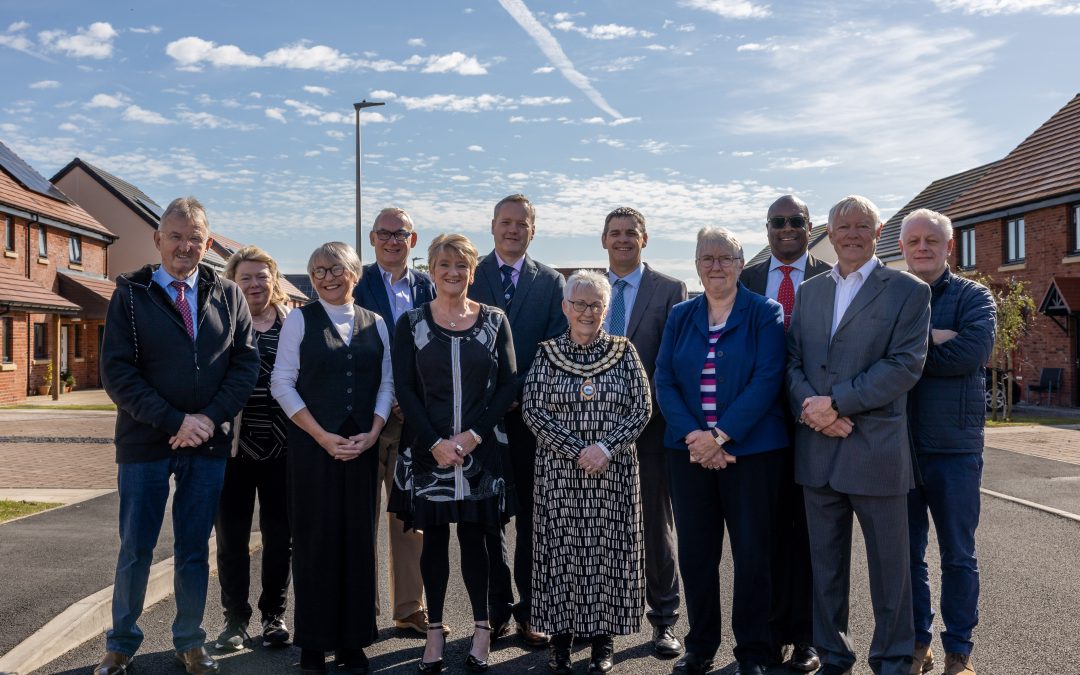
pixel 856 346
pixel 788 227
pixel 641 299
pixel 389 287
pixel 531 294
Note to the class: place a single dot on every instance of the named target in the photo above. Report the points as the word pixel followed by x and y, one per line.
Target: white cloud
pixel 460 179
pixel 991 7
pixel 417 42
pixel 454 62
pixel 134 113
pixel 18 26
pixel 794 164
pixel 657 48
pixel 475 148
pixel 610 142
pixel 742 153
pixel 555 54
pixel 623 120
pixel 94 42
pixel 338 135
pixel 543 70
pixel 68 126
pixel 18 43
pixel 192 52
pixel 594 120
pixel 107 101
pixel 205 120
pixel 300 56
pixel 335 117
pixel 520 119
pixel 276 114
pixel 321 91
pixel 468 104
pixel 620 64
pixel 608 31
pixel 730 9
pixel 679 27
pixel 152 30
pixel 580 159
pixel 756 47
pixel 45 84
pixel 543 100
pixel 312 153
pixel 660 147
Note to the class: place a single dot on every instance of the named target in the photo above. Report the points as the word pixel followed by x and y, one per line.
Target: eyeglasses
pixel 335 271
pixel 580 306
pixel 778 222
pixel 725 261
pixel 400 236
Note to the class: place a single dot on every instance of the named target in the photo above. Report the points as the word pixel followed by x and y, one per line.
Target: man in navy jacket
pixel 947 411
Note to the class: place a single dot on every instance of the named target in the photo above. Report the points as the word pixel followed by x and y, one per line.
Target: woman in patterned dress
pixel 719 378
pixel 455 371
pixel 587 399
pixel 257 466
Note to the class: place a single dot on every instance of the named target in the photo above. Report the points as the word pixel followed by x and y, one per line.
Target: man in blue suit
pixel 389 287
pixel 531 294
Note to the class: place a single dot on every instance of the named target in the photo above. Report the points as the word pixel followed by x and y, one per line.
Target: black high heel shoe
pixel 471 662
pixel 434 666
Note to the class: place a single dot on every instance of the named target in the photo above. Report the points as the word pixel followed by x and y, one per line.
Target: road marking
pixel 1034 505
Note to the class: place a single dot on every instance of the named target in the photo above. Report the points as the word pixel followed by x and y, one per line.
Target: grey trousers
pixel 884 525
pixel 661 566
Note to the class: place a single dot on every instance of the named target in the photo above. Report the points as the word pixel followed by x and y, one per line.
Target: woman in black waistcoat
pixel 334 381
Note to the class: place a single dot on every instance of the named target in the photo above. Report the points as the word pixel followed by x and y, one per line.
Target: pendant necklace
pixel 588 389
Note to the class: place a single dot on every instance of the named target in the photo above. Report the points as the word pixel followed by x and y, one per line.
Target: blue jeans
pixel 950 492
pixel 144 491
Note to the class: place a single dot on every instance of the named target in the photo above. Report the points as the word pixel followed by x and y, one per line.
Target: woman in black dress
pixel 258 466
pixel 333 378
pixel 455 369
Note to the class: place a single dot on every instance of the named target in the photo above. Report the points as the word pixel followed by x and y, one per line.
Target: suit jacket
pixel 756 276
pixel 370 293
pixel 868 366
pixel 656 296
pixel 535 312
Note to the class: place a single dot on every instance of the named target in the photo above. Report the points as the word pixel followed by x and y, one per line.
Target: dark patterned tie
pixel 786 295
pixel 184 308
pixel 508 283
pixel 617 319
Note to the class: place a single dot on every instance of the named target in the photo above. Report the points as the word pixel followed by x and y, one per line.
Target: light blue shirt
pixel 515 274
pixel 633 283
pixel 772 285
pixel 399 292
pixel 163 279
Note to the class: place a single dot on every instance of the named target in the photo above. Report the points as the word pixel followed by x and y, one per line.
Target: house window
pixel 41 340
pixel 75 249
pixel 9 234
pixel 77 338
pixel 1076 227
pixel 7 340
pixel 42 242
pixel 1014 240
pixel 965 257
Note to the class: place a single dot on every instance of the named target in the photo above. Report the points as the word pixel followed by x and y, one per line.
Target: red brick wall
pixel 13 382
pixel 18 263
pixel 1047 240
pixel 93 256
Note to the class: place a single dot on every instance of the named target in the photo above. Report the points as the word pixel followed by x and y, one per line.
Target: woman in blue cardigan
pixel 719 379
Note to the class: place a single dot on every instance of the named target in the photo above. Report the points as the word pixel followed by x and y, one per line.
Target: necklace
pixel 450 316
pixel 265 318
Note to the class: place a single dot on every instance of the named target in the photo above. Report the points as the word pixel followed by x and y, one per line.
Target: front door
pixel 64 348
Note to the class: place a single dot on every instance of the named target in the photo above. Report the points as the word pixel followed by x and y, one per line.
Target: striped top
pixel 708 377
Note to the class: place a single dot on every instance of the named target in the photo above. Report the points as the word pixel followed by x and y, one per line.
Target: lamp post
pixel 358 107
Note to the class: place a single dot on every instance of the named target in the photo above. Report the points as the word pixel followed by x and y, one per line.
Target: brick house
pixel 53 286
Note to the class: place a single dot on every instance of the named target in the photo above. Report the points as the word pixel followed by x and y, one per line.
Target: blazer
pixel 370 293
pixel 868 366
pixel 756 276
pixel 536 310
pixel 749 373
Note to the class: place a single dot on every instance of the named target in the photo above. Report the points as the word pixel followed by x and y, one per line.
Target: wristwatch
pixel 716 436
pixel 832 404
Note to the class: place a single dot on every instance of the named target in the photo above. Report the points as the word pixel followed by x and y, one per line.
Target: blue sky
pixel 695 112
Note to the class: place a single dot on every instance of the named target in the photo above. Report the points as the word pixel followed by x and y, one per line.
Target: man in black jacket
pixel 178 358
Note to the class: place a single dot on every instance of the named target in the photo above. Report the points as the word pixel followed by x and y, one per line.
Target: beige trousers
pixel 406 585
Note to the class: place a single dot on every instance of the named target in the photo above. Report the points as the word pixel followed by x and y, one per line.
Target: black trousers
pixel 501 594
pixel 741 497
pixel 792 579
pixel 246 478
pixel 435 567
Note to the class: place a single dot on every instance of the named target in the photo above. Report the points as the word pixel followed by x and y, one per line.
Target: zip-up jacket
pixel 156 374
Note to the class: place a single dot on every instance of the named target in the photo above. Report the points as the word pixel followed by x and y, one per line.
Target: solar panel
pixel 152 207
pixel 27 177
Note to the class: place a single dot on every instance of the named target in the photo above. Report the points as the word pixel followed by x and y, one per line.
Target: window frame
pixel 1015 249
pixel 43 242
pixel 41 343
pixel 9 233
pixel 966 250
pixel 7 340
pixel 75 256
pixel 1075 212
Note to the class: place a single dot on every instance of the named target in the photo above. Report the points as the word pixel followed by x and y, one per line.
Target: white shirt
pixel 776 276
pixel 287 365
pixel 846 289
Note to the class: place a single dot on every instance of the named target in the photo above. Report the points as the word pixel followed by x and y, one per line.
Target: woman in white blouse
pixel 334 381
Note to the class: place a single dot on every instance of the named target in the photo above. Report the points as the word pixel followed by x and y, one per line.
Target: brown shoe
pixel 922 660
pixel 418 622
pixel 197 661
pixel 531 637
pixel 958 664
pixel 114 663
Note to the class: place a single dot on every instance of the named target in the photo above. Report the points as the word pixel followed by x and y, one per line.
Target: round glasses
pixel 335 271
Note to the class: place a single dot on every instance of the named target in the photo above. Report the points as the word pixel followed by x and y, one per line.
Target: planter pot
pixel 67 388
pixel 44 390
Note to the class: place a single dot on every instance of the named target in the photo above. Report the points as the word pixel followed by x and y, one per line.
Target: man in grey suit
pixel 788 226
pixel 857 344
pixel 641 299
pixel 531 295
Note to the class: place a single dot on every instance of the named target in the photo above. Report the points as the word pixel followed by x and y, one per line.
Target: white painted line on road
pixel 1034 505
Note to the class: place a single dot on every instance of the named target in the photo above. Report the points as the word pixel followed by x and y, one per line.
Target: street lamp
pixel 358 107
pixel 415 258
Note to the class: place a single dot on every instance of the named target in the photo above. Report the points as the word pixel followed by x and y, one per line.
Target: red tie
pixel 786 295
pixel 184 308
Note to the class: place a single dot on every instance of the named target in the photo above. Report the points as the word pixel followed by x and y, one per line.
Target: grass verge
pixel 16 509
pixel 1019 421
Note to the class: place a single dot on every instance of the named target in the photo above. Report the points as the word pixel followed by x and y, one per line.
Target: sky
pixel 695 112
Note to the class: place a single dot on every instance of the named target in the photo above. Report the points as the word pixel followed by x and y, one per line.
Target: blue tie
pixel 617 318
pixel 508 283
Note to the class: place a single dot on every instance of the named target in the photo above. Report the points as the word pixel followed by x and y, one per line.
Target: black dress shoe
pixel 473 663
pixel 804 658
pixel 352 661
pixel 829 669
pixel 750 669
pixel 312 661
pixel 500 628
pixel 777 655
pixel 665 643
pixel 197 661
pixel 603 651
pixel 559 663
pixel 692 664
pixel 113 663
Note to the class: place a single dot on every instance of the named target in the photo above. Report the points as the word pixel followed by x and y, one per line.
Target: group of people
pixel 603 415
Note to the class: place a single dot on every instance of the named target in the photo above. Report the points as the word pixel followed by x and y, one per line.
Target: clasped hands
pixel 194 431
pixel 819 415
pixel 453 451
pixel 592 460
pixel 347 448
pixel 705 451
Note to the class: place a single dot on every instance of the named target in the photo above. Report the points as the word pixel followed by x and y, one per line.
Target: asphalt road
pixel 1030 564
